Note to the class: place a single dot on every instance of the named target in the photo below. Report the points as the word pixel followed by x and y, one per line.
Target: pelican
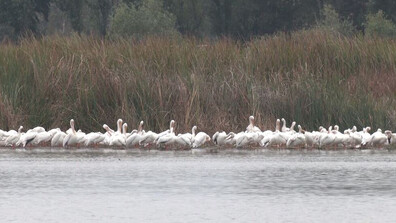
pixel 284 128
pixel 188 138
pixel 44 137
pixel 220 139
pixel 170 131
pixel 251 127
pixel 93 138
pixel 327 139
pixel 117 138
pixel 135 137
pixel 13 138
pixel 391 137
pixel 170 138
pixel 378 139
pixel 37 129
pixel 297 140
pixel 72 138
pixel 57 140
pixel 276 139
pixel 199 139
pixel 27 138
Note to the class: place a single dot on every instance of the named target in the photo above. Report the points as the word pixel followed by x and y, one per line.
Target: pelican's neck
pixel 292 126
pixel 72 126
pixel 300 129
pixel 284 123
pixel 251 121
pixel 277 128
pixel 193 130
pixel 124 128
pixel 119 124
pixel 140 127
pixel 172 124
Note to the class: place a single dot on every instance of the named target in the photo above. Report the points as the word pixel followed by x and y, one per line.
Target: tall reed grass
pixel 308 76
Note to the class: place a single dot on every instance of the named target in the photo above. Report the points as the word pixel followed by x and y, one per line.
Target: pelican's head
pixel 277 128
pixel 72 124
pixel 336 127
pixel 251 119
pixel 379 130
pixel 368 128
pixel 172 123
pixel 124 128
pixel 388 133
pixel 20 128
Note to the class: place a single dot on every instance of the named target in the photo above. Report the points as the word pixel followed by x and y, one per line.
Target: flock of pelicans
pixel 282 137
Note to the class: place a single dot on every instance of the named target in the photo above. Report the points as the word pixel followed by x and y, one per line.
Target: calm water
pixel 44 185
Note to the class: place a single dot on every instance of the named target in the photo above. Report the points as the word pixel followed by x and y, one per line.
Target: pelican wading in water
pixel 72 138
pixel 252 137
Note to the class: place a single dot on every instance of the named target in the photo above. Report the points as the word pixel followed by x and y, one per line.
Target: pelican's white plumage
pixel 72 138
pixel 13 137
pixel 297 140
pixel 93 138
pixel 251 127
pixel 135 137
pixel 57 140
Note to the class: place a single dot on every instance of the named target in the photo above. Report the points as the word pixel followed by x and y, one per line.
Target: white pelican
pixel 170 138
pixel 27 138
pixel 378 139
pixel 277 139
pixel 72 138
pixel 297 140
pixel 117 138
pixel 284 128
pixel 391 137
pixel 57 140
pixel 93 138
pixel 327 139
pixel 44 137
pixel 365 134
pixel 199 139
pixel 13 138
pixel 37 129
pixel 251 127
pixel 188 138
pixel 135 137
pixel 220 139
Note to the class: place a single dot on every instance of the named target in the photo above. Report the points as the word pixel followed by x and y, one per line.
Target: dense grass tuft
pixel 307 76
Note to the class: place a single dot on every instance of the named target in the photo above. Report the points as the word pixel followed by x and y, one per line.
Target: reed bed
pixel 311 77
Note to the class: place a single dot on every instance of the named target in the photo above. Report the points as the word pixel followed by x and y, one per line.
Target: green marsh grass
pixel 307 76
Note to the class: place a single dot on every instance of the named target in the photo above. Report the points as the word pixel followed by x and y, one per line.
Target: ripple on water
pixel 90 185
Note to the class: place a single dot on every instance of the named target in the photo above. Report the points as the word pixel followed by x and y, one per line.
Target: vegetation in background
pixel 100 60
pixel 306 76
pixel 378 25
pixel 241 19
pixel 331 22
pixel 137 21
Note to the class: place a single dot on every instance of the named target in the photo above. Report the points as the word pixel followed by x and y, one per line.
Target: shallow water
pixel 86 185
